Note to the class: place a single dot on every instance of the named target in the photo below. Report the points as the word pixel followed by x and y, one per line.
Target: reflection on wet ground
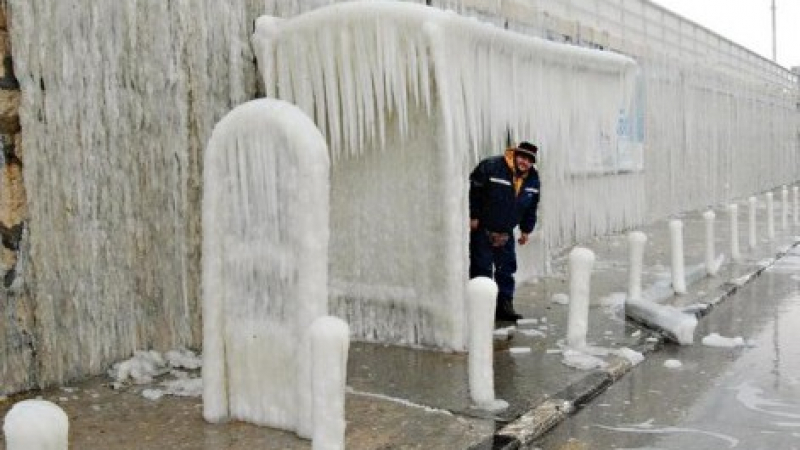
pixel 745 397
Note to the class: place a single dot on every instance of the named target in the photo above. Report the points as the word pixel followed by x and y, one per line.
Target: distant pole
pixel 774 33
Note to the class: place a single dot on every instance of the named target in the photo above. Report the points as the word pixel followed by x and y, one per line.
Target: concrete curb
pixel 528 427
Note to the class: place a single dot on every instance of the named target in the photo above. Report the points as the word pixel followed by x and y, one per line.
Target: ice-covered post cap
pixel 482 299
pixel 581 261
pixel 36 425
pixel 678 270
pixel 636 243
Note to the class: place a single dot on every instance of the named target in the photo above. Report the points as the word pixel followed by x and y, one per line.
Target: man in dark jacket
pixel 503 194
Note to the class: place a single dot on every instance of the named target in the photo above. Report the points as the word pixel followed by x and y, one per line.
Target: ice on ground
pixel 531 333
pixel 519 350
pixel 142 368
pixel 183 359
pixel 695 308
pixel 631 355
pixel 152 394
pixel 674 323
pixel 527 321
pixel 582 361
pixel 504 332
pixel 715 340
pixel 560 298
pixel 673 364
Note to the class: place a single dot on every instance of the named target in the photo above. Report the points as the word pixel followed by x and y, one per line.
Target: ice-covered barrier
pixel 581 262
pixel 482 295
pixel 675 324
pixel 409 98
pixel 36 425
pixel 636 243
pixel 678 266
pixel 265 263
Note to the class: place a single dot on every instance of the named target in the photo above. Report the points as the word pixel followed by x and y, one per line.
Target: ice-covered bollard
pixel 330 341
pixel 581 262
pixel 482 298
pixel 770 217
pixel 636 242
pixel 678 269
pixel 796 206
pixel 733 210
pixel 785 208
pixel 711 263
pixel 751 222
pixel 36 425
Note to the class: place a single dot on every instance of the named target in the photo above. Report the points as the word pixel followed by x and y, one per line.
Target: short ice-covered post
pixel 581 262
pixel 636 243
pixel 751 222
pixel 36 425
pixel 770 217
pixel 678 269
pixel 481 298
pixel 785 208
pixel 711 266
pixel 733 210
pixel 330 342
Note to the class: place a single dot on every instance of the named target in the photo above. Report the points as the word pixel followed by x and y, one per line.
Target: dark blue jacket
pixel 493 200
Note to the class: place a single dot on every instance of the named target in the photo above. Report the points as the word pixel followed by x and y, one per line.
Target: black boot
pixel 505 311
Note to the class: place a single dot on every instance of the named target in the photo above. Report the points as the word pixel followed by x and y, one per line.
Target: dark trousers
pixel 499 263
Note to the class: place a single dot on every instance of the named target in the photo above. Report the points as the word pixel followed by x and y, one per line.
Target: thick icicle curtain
pixel 415 84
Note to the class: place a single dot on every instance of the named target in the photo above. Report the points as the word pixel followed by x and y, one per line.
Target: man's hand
pixel 523 239
pixel 473 224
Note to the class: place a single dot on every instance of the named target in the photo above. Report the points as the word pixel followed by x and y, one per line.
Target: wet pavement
pixel 744 397
pixel 403 398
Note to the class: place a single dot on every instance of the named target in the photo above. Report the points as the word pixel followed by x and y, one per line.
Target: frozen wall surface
pixel 408 98
pixel 118 99
pixel 265 263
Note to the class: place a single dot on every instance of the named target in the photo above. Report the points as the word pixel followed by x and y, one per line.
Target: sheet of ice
pixel 673 364
pixel 531 333
pixel 560 298
pixel 529 321
pixel 715 340
pixel 265 263
pixel 631 355
pixel 36 425
pixel 583 361
pixel 674 323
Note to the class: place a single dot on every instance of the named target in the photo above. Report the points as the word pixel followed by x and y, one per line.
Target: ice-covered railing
pixel 408 98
